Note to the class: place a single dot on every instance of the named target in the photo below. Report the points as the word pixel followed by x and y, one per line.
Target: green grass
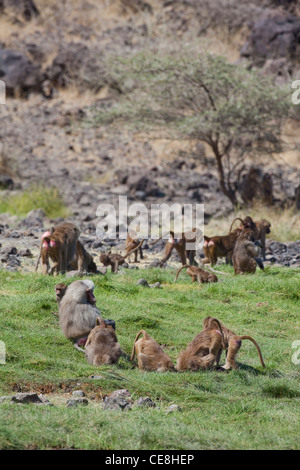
pixel 251 408
pixel 36 197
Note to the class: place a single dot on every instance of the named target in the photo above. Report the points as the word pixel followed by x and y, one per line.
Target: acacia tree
pixel 238 113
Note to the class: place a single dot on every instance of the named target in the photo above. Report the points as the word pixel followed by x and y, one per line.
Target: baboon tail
pixel 141 332
pixel 237 218
pixel 257 347
pixel 37 263
pixel 162 236
pixel 182 267
pixel 215 271
pixel 136 248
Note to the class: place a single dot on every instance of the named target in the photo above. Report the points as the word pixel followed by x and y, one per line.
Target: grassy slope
pixel 251 408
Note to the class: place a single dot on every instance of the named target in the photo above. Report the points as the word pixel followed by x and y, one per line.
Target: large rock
pixel 19 73
pixel 274 34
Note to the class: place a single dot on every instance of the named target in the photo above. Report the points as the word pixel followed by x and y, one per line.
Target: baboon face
pixel 104 259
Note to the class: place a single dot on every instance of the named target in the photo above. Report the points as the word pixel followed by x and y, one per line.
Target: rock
pixel 96 377
pixel 142 282
pixel 78 393
pixel 9 250
pixel 173 408
pixel 70 274
pixel 34 219
pixel 6 182
pixel 25 253
pixel 156 285
pixel 19 73
pixel 27 8
pixel 26 398
pixel 273 35
pixel 118 400
pixel 76 402
pixel 4 399
pixel 45 400
pixel 145 401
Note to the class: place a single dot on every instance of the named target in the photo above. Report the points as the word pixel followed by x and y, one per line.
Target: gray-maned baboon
pixel 150 355
pixel 246 254
pixel 82 260
pixel 179 242
pixel 78 312
pixel 231 343
pixel 132 242
pixel 115 260
pixel 102 345
pixel 59 246
pixel 197 274
pixel 204 350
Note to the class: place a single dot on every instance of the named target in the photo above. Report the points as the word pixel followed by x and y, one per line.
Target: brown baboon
pixel 150 355
pixel 197 274
pixel 59 246
pixel 78 312
pixel 204 350
pixel 232 344
pixel 246 254
pixel 115 260
pixel 180 245
pixel 133 242
pixel 60 290
pixel 82 260
pixel 263 227
pixel 102 345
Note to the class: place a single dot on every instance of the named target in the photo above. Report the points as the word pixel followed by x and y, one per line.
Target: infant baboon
pixel 60 246
pixel 150 355
pixel 231 343
pixel 82 260
pixel 197 274
pixel 102 345
pixel 77 311
pixel 204 350
pixel 115 260
pixel 246 253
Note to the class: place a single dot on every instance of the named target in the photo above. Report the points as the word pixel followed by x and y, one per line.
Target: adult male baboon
pixel 115 260
pixel 246 253
pixel 197 274
pixel 82 260
pixel 78 312
pixel 59 246
pixel 150 355
pixel 204 350
pixel 102 345
pixel 231 343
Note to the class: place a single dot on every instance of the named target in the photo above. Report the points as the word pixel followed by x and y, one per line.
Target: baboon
pixel 133 242
pixel 197 274
pixel 82 260
pixel 263 227
pixel 179 243
pixel 60 290
pixel 204 350
pixel 115 260
pixel 102 345
pixel 246 253
pixel 59 246
pixel 78 312
pixel 150 355
pixel 231 343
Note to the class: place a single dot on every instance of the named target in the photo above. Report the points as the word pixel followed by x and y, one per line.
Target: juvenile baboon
pixel 132 242
pixel 246 253
pixel 59 246
pixel 197 274
pixel 102 345
pixel 115 260
pixel 179 242
pixel 204 350
pixel 82 260
pixel 150 355
pixel 78 312
pixel 232 343
pixel 60 290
